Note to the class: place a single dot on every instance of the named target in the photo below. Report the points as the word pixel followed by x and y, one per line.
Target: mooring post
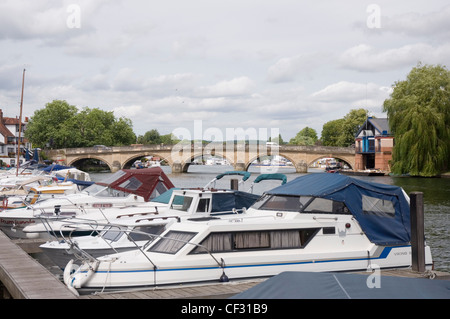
pixel 417 231
pixel 234 184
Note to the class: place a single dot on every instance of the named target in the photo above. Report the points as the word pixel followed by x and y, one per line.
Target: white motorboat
pixel 124 234
pixel 124 188
pixel 157 204
pixel 195 204
pixel 318 222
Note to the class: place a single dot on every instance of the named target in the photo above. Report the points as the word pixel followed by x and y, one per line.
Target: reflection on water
pixel 436 197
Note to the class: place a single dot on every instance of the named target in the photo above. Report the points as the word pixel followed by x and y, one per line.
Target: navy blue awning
pixel 382 229
pixel 312 285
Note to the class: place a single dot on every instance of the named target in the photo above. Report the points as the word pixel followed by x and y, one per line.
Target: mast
pixel 20 124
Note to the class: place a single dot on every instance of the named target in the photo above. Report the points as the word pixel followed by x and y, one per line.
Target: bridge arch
pixel 254 158
pixel 81 158
pixel 342 158
pixel 131 159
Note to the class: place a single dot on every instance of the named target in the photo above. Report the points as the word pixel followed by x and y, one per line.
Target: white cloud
pixel 364 57
pixel 345 91
pixel 252 63
pixel 235 87
pixel 290 68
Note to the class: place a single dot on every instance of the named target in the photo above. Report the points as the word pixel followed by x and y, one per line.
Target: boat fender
pixel 69 270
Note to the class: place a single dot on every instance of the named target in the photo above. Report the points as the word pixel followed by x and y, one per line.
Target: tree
pixel 331 132
pixel 342 132
pixel 350 126
pixel 307 136
pixel 419 115
pixel 50 126
pixel 60 125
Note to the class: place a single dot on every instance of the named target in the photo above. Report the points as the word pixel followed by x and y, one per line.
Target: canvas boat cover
pixel 323 285
pixel 146 182
pixel 381 210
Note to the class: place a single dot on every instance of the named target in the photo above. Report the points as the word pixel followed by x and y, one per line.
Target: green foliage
pixel 342 132
pixel 419 116
pixel 306 136
pixel 153 137
pixel 331 132
pixel 60 125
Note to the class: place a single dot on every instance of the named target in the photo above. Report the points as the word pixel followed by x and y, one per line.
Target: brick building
pixel 373 145
pixel 9 136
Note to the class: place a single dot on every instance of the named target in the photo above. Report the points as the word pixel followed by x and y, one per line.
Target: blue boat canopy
pixel 381 210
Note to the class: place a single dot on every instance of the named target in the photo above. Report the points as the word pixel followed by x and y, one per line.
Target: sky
pixel 168 65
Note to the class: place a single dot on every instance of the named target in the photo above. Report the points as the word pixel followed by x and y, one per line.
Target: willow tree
pixel 419 115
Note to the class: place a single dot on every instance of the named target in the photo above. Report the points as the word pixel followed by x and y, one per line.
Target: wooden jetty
pixel 23 277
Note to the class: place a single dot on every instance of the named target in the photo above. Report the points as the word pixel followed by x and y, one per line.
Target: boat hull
pixel 116 276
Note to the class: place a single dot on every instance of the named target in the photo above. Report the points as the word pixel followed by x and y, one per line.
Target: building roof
pixel 375 127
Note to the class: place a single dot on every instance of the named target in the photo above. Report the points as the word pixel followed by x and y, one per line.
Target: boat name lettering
pixel 403 253
pixel 16 221
pixel 236 220
pixel 102 205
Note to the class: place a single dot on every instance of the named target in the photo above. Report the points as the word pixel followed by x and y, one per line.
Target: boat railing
pixel 87 258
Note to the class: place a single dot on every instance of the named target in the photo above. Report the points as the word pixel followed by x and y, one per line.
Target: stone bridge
pixel 180 156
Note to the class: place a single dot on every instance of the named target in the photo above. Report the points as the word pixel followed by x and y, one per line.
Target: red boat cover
pixel 146 182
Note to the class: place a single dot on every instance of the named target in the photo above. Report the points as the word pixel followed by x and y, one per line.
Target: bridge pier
pixel 177 168
pixel 115 166
pixel 239 166
pixel 301 167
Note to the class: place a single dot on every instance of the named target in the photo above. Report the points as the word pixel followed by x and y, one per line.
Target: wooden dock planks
pixel 24 277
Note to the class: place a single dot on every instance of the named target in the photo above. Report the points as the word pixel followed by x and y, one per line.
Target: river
pixel 436 197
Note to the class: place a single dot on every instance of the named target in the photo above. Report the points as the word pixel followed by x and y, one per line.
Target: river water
pixel 436 197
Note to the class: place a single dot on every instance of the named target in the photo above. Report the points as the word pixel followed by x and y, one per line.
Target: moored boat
pixel 124 188
pixel 318 222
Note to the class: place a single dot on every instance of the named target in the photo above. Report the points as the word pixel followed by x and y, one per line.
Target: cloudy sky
pixel 283 64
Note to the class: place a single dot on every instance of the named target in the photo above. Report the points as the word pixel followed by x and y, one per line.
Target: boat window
pixel 378 206
pixel 131 184
pixel 181 203
pixel 112 234
pixel 141 232
pixel 172 242
pixel 203 205
pixel 160 189
pixel 282 202
pixel 251 240
pixel 326 206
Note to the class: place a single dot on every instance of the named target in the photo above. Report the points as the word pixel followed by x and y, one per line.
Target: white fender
pixel 68 275
pixel 68 270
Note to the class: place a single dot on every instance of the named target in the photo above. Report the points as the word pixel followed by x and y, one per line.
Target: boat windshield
pixel 172 242
pixel 181 203
pixel 103 191
pixel 93 189
pixel 302 204
pixel 113 233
